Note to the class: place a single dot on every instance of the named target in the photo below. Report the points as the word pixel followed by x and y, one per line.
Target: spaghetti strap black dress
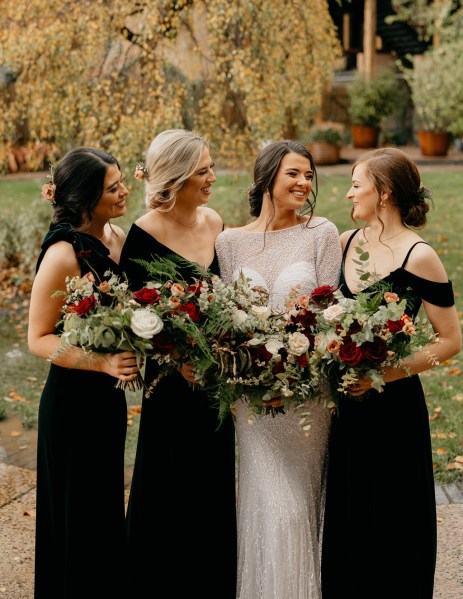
pixel 82 422
pixel 380 519
pixel 181 517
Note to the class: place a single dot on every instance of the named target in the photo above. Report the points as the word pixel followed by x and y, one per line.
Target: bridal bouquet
pixel 360 336
pixel 229 335
pixel 104 317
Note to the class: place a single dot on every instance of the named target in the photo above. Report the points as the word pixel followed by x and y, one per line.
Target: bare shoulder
pixel 153 223
pixel 345 236
pixel 424 262
pixel 212 218
pixel 119 231
pixel 58 262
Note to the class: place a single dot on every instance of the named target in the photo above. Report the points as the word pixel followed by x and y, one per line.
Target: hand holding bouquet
pixel 358 337
pixel 103 317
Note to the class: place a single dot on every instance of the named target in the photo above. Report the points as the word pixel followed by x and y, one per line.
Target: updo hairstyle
pixel 391 169
pixel 171 159
pixel 266 169
pixel 79 178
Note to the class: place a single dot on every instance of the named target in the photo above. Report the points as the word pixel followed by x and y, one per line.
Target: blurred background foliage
pixel 115 73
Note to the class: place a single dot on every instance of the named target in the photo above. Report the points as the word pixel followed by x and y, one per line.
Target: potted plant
pixel 371 101
pixel 436 85
pixel 324 143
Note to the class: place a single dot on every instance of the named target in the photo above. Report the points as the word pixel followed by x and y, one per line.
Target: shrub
pixel 373 100
pixel 436 84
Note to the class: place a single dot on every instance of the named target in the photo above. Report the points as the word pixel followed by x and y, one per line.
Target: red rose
pixel 394 326
pixel 193 311
pixel 323 295
pixel 147 296
pixel 350 353
pixel 85 305
pixel 260 353
pixel 194 289
pixel 302 361
pixel 375 351
pixel 306 319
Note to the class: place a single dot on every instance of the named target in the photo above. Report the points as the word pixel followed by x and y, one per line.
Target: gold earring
pixel 383 204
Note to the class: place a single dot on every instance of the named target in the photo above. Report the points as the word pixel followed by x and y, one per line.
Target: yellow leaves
pixel 457 463
pixel 440 435
pixel 437 414
pixel 13 396
pixel 131 412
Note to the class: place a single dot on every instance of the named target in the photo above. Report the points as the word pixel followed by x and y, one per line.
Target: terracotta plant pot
pixel 434 143
pixel 364 136
pixel 324 152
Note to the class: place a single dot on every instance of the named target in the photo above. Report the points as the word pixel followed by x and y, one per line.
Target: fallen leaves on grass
pixel 437 414
pixel 457 463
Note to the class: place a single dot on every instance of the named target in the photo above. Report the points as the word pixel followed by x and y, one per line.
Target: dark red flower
pixel 85 305
pixel 302 361
pixel 394 326
pixel 195 289
pixel 84 254
pixel 355 327
pixel 163 342
pixel 350 353
pixel 193 311
pixel 375 350
pixel 306 318
pixel 323 295
pixel 260 353
pixel 147 296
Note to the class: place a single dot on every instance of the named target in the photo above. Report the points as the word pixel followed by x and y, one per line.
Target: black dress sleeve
pixel 438 294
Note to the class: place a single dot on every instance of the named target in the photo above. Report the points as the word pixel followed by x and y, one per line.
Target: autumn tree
pixel 113 73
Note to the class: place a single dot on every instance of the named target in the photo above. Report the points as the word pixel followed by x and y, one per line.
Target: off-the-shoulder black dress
pixel 82 422
pixel 181 515
pixel 380 519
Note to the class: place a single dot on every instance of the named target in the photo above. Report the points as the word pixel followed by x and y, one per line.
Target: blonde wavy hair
pixel 171 159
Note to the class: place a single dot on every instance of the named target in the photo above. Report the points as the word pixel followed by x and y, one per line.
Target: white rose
pixel 145 323
pixel 273 345
pixel 298 344
pixel 333 313
pixel 261 312
pixel 239 316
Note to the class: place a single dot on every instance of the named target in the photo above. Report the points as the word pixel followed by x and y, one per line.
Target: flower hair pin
pixel 48 189
pixel 141 172
pixel 424 193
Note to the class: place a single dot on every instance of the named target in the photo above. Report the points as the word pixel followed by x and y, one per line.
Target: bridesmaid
pixel 181 513
pixel 80 529
pixel 380 521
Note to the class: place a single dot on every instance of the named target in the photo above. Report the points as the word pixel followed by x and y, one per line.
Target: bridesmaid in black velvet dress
pixel 181 513
pixel 80 529
pixel 380 519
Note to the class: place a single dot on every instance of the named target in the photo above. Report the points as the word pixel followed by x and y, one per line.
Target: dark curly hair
pixel 393 170
pixel 266 169
pixel 79 179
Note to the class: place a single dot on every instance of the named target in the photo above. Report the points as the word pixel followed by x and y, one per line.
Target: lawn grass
pixel 23 375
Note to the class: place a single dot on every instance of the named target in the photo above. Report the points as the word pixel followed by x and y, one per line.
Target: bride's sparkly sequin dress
pixel 282 469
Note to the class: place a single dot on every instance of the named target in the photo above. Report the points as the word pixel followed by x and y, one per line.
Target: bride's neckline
pixel 302 223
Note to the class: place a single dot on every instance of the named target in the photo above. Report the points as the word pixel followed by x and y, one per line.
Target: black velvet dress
pixel 181 514
pixel 380 519
pixel 80 532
